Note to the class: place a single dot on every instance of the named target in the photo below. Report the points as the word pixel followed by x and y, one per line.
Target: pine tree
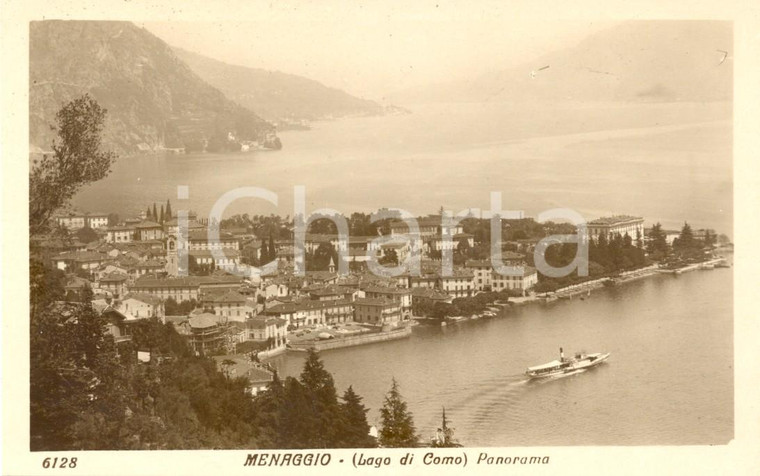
pixel 398 429
pixel 269 410
pixel 444 437
pixel 323 399
pixel 355 431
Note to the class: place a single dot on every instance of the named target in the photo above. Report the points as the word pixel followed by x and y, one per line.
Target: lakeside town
pixel 157 330
pixel 131 268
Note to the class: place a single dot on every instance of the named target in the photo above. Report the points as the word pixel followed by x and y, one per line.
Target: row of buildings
pixel 135 267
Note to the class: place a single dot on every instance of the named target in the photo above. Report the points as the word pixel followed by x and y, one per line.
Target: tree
pixel 226 364
pixel 77 160
pixel 355 431
pixel 76 384
pixel 161 216
pixel 154 215
pixel 444 437
pixel 389 257
pixel 148 214
pixel 272 249
pixel 168 211
pixel 658 243
pixel 323 400
pixel 398 429
pixel 685 238
pixel 463 246
pixel 86 235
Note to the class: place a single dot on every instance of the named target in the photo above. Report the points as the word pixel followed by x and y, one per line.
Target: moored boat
pixel 580 361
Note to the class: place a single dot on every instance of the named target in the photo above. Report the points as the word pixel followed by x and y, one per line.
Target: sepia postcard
pixel 352 237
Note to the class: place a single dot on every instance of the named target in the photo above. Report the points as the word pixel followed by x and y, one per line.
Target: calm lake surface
pixel 669 380
pixel 666 162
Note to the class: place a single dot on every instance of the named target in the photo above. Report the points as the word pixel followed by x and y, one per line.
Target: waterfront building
pixel 616 225
pixel 481 274
pixel 401 296
pixel 313 313
pixel 459 284
pixel 526 280
pixel 427 297
pixel 377 312
pixel 483 269
pixel 268 329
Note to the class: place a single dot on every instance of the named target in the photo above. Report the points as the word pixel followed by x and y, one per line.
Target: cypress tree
pixel 155 213
pixel 168 215
pixel 272 249
pixel 147 213
pixel 161 218
pixel 398 429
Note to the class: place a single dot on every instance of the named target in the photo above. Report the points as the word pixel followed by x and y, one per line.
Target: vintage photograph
pixel 449 230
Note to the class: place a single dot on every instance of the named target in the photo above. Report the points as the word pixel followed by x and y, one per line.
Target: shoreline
pixel 566 293
pixel 352 341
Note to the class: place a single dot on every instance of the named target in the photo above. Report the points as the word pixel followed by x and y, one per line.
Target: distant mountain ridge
pixel 634 61
pixel 154 100
pixel 277 96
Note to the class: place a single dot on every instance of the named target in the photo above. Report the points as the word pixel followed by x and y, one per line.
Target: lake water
pixel 669 380
pixel 666 162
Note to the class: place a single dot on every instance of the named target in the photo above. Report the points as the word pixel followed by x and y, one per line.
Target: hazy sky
pixel 372 53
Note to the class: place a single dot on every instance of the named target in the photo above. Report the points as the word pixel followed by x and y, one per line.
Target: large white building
pixel 201 250
pixel 526 280
pixel 75 221
pixel 616 225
